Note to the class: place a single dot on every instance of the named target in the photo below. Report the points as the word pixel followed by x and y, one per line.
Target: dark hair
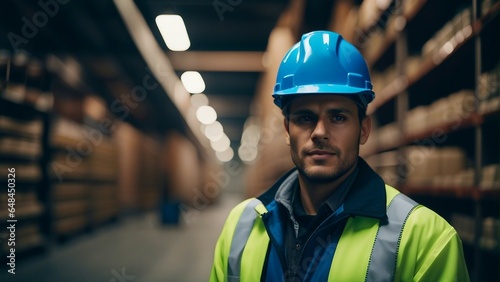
pixel 361 107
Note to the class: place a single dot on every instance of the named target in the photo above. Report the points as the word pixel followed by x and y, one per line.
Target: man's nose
pixel 320 131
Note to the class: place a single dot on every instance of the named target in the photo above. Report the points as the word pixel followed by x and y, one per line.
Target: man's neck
pixel 314 194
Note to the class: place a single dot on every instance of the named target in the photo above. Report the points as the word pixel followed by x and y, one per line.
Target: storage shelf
pixel 483 246
pixel 428 72
pixel 402 83
pixel 392 33
pixel 22 129
pixel 472 120
pixel 445 128
pixel 13 109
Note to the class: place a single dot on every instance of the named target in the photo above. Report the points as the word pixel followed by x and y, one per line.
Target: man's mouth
pixel 321 154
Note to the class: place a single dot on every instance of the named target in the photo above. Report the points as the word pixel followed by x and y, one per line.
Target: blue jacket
pixel 377 234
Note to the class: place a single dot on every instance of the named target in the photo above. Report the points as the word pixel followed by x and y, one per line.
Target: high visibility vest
pixel 375 245
pixel 367 250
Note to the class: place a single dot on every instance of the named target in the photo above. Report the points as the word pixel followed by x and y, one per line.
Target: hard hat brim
pixel 321 89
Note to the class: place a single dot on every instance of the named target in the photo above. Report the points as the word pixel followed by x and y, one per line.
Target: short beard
pixel 323 179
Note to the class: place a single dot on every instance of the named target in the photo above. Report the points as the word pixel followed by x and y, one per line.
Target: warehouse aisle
pixel 136 249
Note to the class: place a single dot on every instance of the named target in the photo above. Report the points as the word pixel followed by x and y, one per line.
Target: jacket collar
pixel 367 196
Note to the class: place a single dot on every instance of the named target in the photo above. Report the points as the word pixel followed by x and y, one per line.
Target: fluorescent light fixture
pixel 173 31
pixel 214 131
pixel 251 135
pixel 198 100
pixel 222 144
pixel 193 82
pixel 248 153
pixel 226 155
pixel 206 114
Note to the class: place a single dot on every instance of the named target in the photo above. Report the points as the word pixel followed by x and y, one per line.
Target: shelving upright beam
pixel 476 275
pixel 402 98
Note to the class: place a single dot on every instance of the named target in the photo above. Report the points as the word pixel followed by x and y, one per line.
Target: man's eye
pixel 338 118
pixel 304 118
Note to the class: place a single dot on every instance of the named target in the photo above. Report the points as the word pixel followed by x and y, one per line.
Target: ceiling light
pixel 222 144
pixel 198 100
pixel 206 114
pixel 193 82
pixel 251 135
pixel 214 131
pixel 173 31
pixel 248 153
pixel 226 155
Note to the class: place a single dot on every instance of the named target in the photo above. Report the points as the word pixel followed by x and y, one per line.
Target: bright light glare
pixel 173 31
pixel 206 114
pixel 221 144
pixel 214 131
pixel 198 100
pixel 226 155
pixel 193 82
pixel 248 153
pixel 251 135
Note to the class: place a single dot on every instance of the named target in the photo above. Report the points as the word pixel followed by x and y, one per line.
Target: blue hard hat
pixel 323 63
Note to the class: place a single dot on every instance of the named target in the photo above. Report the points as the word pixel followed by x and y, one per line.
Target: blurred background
pixel 129 129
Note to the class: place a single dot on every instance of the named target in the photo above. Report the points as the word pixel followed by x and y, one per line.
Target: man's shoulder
pixel 244 207
pixel 424 216
pixel 421 216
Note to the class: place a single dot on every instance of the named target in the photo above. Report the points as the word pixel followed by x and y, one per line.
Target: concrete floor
pixel 134 249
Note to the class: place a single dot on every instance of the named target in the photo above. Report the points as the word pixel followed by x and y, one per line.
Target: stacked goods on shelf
pixel 430 82
pixel 451 111
pixel 386 164
pixel 69 169
pixel 102 180
pixel 70 208
pixel 104 204
pixel 384 78
pixel 452 34
pixel 490 235
pixel 28 211
pixel 488 91
pixel 425 166
pixel 446 114
pixel 21 148
pixel 31 129
pixel 150 174
pixel 103 168
pixel 15 89
pixel 381 27
pixel 490 178
pixel 4 69
pixel 25 80
pixel 487 6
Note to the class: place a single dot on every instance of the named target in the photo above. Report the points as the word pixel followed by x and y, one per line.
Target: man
pixel 332 218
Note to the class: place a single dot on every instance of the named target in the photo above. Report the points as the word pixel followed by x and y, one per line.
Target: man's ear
pixel 286 123
pixel 366 127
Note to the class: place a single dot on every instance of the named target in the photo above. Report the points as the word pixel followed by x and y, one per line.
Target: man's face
pixel 324 134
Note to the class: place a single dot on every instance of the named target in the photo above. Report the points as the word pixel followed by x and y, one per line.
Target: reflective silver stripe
pixel 240 237
pixel 383 258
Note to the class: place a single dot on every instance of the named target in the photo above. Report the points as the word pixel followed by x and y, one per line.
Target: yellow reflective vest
pixel 425 247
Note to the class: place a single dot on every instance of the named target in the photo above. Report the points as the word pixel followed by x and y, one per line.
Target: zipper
pixel 317 230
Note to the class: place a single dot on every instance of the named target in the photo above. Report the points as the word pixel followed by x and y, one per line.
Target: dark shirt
pixel 307 224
